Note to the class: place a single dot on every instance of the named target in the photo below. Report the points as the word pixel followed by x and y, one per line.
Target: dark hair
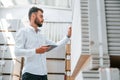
pixel 32 10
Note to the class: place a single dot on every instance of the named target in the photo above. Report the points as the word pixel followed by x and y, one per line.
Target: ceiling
pixel 58 3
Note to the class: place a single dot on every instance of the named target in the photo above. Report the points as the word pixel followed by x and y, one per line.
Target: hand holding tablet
pixel 51 47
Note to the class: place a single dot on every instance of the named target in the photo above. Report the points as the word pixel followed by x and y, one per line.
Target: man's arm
pixel 20 51
pixel 63 41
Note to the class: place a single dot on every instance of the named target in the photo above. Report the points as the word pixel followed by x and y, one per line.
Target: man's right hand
pixel 42 49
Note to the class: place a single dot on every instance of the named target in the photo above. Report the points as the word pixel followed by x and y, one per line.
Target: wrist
pixel 36 51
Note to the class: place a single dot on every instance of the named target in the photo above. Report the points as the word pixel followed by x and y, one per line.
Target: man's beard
pixel 38 23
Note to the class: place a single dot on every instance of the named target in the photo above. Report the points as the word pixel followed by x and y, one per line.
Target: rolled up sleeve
pixel 59 43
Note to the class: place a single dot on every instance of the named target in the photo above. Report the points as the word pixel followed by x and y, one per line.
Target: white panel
pixel 11 24
pixel 91 79
pixel 57 53
pixel 50 13
pixel 115 74
pixel 7 37
pixel 80 31
pixel 112 1
pixel 55 77
pixel 9 77
pixel 109 74
pixel 85 29
pixel 55 31
pixel 56 66
pixel 0 77
pixel 101 74
pixel 12 67
pixel 113 26
pixel 92 73
pixel 8 53
pixel 55 3
pixel 93 19
pixel 94 62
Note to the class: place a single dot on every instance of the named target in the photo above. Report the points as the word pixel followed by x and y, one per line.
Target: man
pixel 32 45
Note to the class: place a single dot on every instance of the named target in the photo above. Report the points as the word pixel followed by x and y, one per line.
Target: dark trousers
pixel 29 76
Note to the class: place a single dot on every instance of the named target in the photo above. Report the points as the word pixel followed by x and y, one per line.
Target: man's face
pixel 39 19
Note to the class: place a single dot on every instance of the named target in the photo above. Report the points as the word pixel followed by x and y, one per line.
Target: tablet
pixel 51 47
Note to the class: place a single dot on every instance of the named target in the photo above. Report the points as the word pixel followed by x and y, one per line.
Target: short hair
pixel 34 9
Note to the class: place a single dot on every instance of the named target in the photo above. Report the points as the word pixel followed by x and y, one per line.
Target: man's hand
pixel 69 32
pixel 42 49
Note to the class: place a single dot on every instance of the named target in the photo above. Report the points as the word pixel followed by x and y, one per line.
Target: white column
pixel 76 35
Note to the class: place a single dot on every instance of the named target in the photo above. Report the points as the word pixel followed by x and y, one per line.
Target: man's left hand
pixel 69 32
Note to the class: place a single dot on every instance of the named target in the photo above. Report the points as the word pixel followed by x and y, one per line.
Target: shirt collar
pixel 32 28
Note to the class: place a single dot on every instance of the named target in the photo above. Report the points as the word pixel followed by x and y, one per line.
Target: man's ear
pixel 33 15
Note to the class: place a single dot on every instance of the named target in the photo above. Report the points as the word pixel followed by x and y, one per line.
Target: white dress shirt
pixel 27 40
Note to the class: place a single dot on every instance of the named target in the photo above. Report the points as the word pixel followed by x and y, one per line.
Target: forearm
pixel 63 41
pixel 24 52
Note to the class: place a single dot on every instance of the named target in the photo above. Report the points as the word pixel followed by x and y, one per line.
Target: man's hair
pixel 32 10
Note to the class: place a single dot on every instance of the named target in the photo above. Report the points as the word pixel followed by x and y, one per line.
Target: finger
pixel 46 48
pixel 70 27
